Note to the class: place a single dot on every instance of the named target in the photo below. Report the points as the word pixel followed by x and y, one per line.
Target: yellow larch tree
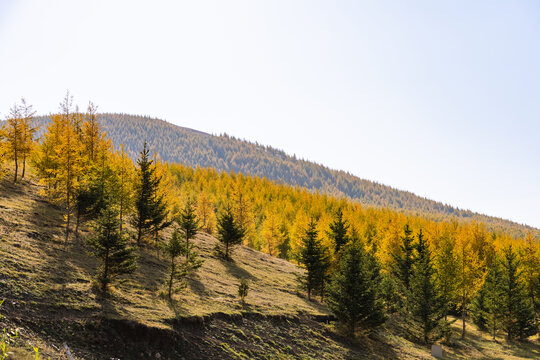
pixel 205 212
pixel 12 133
pixel 470 270
pixel 68 155
pixel 28 131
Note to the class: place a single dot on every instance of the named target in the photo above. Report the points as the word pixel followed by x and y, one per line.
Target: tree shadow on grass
pixel 235 270
pixel 197 286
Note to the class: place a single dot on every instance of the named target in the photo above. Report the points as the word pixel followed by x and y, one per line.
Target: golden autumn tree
pixel 446 267
pixel 470 271
pixel 241 207
pixel 272 232
pixel 12 134
pixel 27 133
pixel 206 213
pixel 46 161
pixel 125 175
pixel 530 260
pixel 69 158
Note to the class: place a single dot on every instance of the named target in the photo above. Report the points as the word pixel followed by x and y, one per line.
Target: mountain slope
pixel 225 153
pixel 50 297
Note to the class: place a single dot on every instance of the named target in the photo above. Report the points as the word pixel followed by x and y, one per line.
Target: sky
pixel 441 98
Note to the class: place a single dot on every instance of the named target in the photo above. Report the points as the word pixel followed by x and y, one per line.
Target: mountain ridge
pixel 224 152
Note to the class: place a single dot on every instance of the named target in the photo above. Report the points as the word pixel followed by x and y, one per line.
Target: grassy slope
pixel 50 295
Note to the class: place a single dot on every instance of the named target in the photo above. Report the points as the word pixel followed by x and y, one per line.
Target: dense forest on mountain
pixel 193 148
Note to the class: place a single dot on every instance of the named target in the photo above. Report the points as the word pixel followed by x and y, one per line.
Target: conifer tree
pixel 271 231
pixel 469 276
pixel 91 133
pixel 173 249
pixel 519 318
pixel 314 259
pixel 404 260
pixel 352 292
pixel 150 210
pixel 143 195
pixel 230 233
pixel 487 307
pixel 284 246
pixel 189 224
pixel 111 247
pixel 446 268
pixel 338 231
pixel 12 132
pixel 243 289
pixel 425 302
pixel 178 273
pixel 242 211
pixel 69 160
pixel 531 271
pixel 480 309
pixel 205 212
pixel 27 133
pixel 125 175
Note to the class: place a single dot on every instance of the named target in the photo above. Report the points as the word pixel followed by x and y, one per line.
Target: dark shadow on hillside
pixel 196 285
pixel 10 190
pixel 526 349
pixel 152 269
pixel 235 270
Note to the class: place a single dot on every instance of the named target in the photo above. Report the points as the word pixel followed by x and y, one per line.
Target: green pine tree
pixel 519 318
pixel 150 209
pixel 189 224
pixel 404 260
pixel 480 309
pixel 424 300
pixel 353 291
pixel 243 289
pixel 314 259
pixel 494 296
pixel 111 247
pixel 179 272
pixel 338 231
pixel 229 232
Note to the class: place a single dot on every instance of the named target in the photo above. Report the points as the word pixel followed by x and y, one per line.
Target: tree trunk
pixel 77 226
pixel 463 319
pixel 121 213
pixel 139 234
pixel 171 278
pixel 23 166
pixel 16 168
pixel 187 248
pixel 68 218
pixel 105 273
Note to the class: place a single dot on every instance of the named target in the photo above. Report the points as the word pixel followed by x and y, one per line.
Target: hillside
pixel 50 297
pixel 225 153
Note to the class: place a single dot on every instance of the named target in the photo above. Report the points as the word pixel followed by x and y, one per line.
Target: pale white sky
pixel 439 98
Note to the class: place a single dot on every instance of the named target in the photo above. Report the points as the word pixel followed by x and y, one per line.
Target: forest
pixel 192 148
pixel 365 261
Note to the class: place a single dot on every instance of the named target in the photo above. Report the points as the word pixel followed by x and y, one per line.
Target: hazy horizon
pixel 439 99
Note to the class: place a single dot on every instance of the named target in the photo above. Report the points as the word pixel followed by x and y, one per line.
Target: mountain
pixel 226 153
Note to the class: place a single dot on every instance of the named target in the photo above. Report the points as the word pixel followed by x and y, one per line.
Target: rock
pixel 436 351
